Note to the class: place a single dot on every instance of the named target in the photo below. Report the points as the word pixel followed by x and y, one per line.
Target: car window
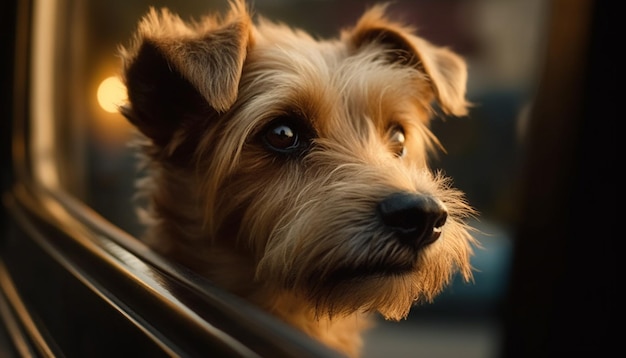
pixel 80 141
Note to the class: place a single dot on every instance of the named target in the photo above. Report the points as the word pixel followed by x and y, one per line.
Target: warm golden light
pixel 111 94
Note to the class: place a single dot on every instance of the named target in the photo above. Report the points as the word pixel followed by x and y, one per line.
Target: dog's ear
pixel 446 71
pixel 178 73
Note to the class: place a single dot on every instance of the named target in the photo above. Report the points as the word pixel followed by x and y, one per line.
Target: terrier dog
pixel 293 171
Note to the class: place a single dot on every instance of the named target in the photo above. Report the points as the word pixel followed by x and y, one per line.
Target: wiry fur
pixel 295 233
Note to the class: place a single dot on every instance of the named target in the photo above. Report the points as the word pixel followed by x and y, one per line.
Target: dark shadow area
pixel 563 281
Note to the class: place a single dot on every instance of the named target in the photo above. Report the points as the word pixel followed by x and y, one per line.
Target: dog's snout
pixel 414 218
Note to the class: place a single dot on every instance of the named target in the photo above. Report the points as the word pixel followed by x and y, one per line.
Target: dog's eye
pixel 396 140
pixel 282 136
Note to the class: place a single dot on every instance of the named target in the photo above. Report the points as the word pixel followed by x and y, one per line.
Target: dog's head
pixel 309 157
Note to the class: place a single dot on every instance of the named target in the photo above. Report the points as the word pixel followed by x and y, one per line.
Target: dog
pixel 293 171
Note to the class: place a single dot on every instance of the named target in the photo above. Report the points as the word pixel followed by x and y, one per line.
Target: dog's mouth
pixel 345 276
pixel 377 256
pixel 394 261
pixel 370 271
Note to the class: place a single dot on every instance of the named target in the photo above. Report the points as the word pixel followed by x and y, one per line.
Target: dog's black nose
pixel 416 219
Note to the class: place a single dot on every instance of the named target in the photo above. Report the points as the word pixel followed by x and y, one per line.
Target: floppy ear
pixel 446 70
pixel 179 74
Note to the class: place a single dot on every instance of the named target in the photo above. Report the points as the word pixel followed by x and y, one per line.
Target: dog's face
pixel 309 157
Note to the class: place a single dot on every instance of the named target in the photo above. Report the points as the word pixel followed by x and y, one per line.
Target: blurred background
pixel 503 43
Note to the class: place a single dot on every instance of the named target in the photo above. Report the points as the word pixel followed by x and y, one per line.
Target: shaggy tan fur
pixel 268 152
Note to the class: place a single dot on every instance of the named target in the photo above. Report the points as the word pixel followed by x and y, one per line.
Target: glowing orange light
pixel 111 94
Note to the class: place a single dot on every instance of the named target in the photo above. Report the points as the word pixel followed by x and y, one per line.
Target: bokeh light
pixel 111 93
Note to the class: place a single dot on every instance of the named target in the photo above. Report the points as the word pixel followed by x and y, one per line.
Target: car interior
pixel 536 157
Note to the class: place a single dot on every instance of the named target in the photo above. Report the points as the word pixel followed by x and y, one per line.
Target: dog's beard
pixel 326 244
pixel 361 267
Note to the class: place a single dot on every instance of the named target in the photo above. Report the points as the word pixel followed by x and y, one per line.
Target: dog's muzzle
pixel 415 219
